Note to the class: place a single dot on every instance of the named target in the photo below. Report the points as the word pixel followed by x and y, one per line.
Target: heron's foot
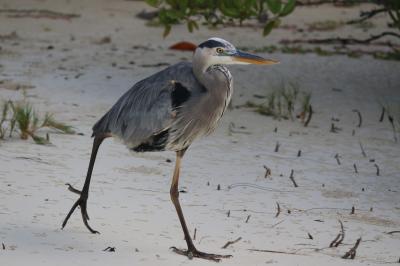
pixel 82 203
pixel 194 253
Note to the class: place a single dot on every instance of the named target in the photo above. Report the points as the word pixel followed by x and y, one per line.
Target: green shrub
pixel 221 11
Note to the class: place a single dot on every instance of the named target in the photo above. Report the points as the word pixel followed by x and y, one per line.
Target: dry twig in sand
pixel 232 242
pixel 248 218
pixel 337 158
pixel 362 150
pixel 377 169
pixel 37 13
pixel 292 178
pixel 351 254
pixel 355 168
pixel 342 41
pixel 359 117
pixel 393 127
pixel 273 251
pixel 392 232
pixel 310 112
pixel 267 171
pixel 382 114
pixel 278 210
pixel 339 238
pixel 277 146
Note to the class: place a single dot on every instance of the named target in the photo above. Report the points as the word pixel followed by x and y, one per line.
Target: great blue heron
pixel 167 111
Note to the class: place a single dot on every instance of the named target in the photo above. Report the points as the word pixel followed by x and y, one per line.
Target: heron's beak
pixel 246 58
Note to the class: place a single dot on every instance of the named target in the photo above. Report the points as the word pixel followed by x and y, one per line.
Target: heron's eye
pixel 220 50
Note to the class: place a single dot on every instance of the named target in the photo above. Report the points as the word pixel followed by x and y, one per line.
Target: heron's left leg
pixel 174 192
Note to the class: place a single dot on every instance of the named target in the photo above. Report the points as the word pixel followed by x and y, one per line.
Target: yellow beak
pixel 247 58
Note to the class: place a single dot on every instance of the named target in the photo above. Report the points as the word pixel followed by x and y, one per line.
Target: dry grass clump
pixel 284 102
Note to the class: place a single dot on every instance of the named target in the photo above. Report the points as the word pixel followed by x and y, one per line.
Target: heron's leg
pixel 82 201
pixel 174 192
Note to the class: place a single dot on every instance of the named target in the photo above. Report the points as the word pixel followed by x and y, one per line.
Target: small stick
pixel 4 246
pixel 389 233
pixel 382 114
pixel 273 251
pixel 278 210
pixel 377 169
pixel 334 129
pixel 393 127
pixel 194 234
pixel 292 178
pixel 232 242
pixel 248 218
pixel 277 146
pixel 355 168
pixel 310 236
pixel 339 238
pixel 352 252
pixel 267 172
pixel 359 117
pixel 109 249
pixel 362 150
pixel 337 158
pixel 310 112
pixel 299 153
pixel 229 213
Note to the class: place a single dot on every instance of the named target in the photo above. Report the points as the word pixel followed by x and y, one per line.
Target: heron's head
pixel 217 51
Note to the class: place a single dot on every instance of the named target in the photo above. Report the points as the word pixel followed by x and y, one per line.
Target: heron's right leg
pixel 84 194
pixel 191 251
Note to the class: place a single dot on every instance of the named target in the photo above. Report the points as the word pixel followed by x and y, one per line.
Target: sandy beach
pixel 78 77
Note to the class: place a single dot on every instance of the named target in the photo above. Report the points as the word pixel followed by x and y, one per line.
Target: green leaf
pixel 167 30
pixel 268 27
pixel 288 8
pixel 183 4
pixel 153 3
pixel 195 25
pixel 190 26
pixel 275 6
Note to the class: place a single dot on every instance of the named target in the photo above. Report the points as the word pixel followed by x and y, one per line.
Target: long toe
pixel 85 216
pixel 194 253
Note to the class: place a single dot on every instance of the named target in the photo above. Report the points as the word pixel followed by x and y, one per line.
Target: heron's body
pixel 156 113
pixel 168 111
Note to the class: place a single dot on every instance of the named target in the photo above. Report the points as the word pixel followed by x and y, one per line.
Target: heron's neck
pixel 208 75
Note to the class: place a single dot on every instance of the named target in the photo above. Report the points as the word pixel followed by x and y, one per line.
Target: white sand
pixel 129 201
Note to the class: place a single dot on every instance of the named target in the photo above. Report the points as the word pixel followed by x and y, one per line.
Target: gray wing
pixel 147 108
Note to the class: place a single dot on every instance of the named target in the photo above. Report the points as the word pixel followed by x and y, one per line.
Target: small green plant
pixel 219 12
pixel 22 118
pixel 282 103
